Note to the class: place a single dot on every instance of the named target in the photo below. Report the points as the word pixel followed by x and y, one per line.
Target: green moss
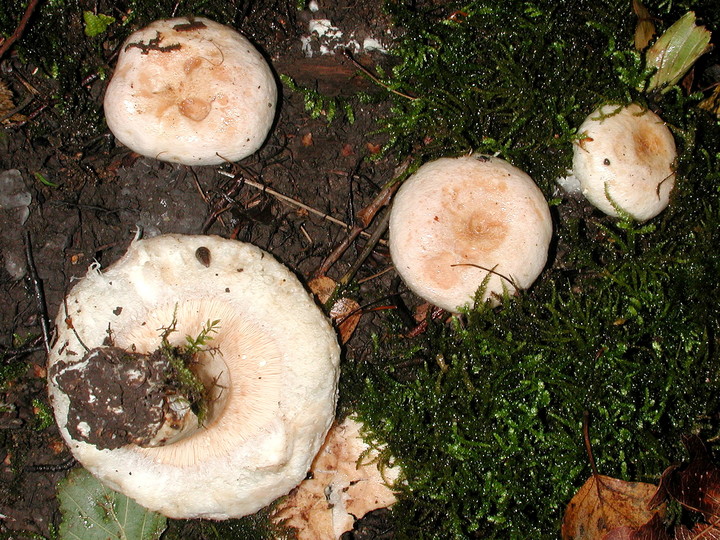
pixel 485 413
pixel 512 79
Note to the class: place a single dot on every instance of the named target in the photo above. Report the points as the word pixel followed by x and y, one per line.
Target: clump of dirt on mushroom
pixel 120 397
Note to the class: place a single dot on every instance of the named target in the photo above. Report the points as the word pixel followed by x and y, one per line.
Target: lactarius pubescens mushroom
pixel 269 371
pixel 457 223
pixel 192 91
pixel 624 161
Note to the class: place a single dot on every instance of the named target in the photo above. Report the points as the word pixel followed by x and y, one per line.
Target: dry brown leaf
pixel 653 530
pixel 346 314
pixel 307 139
pixel 345 483
pixel 322 287
pixel 7 105
pixel 645 29
pixel 604 504
pixel 696 484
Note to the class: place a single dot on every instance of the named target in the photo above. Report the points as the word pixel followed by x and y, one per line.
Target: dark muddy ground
pixel 93 196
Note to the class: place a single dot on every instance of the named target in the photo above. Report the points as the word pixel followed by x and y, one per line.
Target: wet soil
pixel 89 197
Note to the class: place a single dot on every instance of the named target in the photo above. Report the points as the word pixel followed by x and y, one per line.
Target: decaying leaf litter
pixel 600 312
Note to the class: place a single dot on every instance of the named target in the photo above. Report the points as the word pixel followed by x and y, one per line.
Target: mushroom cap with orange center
pixel 624 161
pixel 272 366
pixel 192 91
pixel 457 223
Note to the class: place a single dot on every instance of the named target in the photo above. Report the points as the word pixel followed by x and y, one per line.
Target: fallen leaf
pixel 652 530
pixel 373 148
pixel 701 531
pixel 345 483
pixel 645 29
pixel 307 139
pixel 322 287
pixel 346 314
pixel 696 485
pixel 605 503
pixel 674 52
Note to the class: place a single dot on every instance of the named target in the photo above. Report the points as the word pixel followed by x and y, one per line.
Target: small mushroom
pixel 270 371
pixel 624 161
pixel 459 223
pixel 192 91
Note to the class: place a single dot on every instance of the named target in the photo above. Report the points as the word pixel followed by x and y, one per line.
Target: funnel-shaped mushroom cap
pixel 272 365
pixel 456 219
pixel 625 161
pixel 190 91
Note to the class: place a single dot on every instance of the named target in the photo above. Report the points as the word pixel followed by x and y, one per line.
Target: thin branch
pixel 5 45
pixel 291 201
pixel 373 77
pixel 367 250
pixel 39 293
pixel 364 218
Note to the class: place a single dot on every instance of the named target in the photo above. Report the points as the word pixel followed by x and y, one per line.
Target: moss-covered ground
pixel 485 411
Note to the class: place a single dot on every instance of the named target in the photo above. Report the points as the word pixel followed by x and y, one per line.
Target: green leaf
pixel 91 511
pixel 674 53
pixel 96 24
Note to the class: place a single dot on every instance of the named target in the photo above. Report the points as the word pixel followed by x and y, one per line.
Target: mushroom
pixel 189 90
pixel 624 161
pixel 459 223
pixel 270 372
pixel 346 482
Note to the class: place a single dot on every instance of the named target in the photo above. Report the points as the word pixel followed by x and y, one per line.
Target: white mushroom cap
pixel 191 91
pixel 625 161
pixel 274 365
pixel 456 219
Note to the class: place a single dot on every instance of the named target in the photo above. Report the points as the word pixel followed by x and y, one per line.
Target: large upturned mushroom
pixel 459 223
pixel 268 369
pixel 192 91
pixel 624 161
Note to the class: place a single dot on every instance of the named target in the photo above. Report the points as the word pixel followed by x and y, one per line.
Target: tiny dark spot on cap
pixel 606 161
pixel 227 289
pixel 202 254
pixel 117 310
pixel 269 105
pixel 240 269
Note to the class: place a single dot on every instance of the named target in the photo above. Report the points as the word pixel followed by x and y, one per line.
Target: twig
pixel 39 293
pixel 68 464
pixel 291 201
pixel 5 45
pixel 374 78
pixel 364 218
pixel 367 250
pixel 8 355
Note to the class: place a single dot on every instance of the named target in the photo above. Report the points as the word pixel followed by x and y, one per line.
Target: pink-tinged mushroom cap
pixel 457 222
pixel 271 369
pixel 624 161
pixel 192 91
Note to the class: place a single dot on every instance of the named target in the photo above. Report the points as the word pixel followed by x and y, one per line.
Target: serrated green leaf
pixel 674 53
pixel 96 24
pixel 91 511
